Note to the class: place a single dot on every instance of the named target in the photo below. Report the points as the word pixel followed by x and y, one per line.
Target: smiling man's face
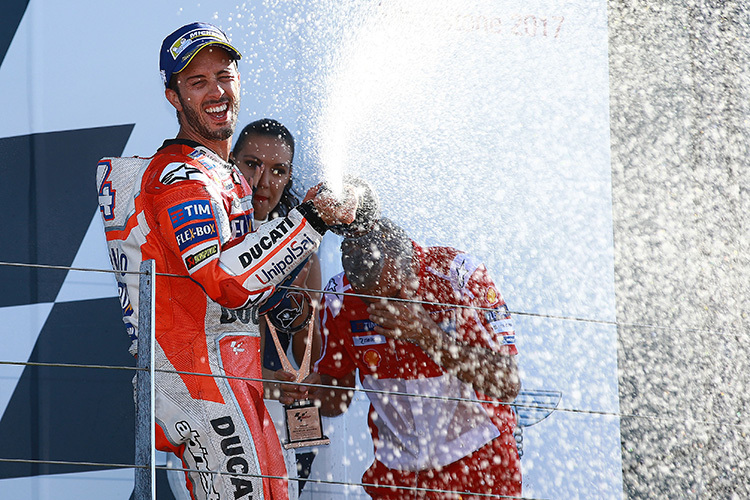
pixel 207 96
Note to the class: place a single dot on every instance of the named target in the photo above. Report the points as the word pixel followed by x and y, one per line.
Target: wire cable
pixel 665 418
pixel 248 475
pixel 343 483
pixel 70 365
pixel 391 393
pixel 742 335
pixel 668 418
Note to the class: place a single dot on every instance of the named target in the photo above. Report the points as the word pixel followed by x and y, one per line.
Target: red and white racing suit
pixel 191 212
pixel 421 442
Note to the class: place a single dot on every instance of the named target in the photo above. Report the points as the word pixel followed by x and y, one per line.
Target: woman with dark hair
pixel 264 153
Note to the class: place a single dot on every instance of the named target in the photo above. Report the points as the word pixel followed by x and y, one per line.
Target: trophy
pixel 368 209
pixel 304 426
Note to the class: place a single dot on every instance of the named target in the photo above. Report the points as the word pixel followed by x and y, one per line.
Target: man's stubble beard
pixel 193 119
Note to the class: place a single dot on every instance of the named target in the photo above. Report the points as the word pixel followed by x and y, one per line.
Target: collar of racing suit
pixel 195 145
pixel 186 142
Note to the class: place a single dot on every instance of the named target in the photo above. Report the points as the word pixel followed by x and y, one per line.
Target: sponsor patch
pixel 361 326
pixel 502 326
pixel 245 316
pixel 492 295
pixel 331 285
pixel 187 40
pixel 289 259
pixel 195 233
pixel 265 243
pixel 175 172
pixel 500 313
pixel 509 339
pixel 235 463
pixel 240 225
pixel 371 357
pixel 365 340
pixel 199 455
pixel 190 211
pixel 193 260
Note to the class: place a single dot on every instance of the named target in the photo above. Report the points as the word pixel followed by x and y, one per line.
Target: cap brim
pixel 188 55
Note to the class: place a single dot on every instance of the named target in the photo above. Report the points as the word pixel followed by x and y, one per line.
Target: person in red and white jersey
pixel 190 210
pixel 459 438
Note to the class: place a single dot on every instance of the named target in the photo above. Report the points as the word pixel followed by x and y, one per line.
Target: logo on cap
pixel 179 48
pixel 186 40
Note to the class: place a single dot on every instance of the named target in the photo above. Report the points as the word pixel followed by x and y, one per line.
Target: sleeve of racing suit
pixel 238 272
pixel 268 256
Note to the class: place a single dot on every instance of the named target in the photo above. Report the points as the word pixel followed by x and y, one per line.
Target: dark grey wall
pixel 680 85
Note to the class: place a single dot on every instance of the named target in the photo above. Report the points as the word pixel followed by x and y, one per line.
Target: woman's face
pixel 266 163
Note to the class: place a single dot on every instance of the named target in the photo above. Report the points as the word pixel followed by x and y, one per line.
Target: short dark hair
pixel 364 257
pixel 268 127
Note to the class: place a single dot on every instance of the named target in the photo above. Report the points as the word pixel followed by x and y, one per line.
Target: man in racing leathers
pixel 444 348
pixel 190 210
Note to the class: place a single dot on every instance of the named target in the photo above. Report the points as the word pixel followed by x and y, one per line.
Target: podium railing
pixel 145 439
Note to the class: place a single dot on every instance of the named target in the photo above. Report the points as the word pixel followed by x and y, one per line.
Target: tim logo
pixel 189 212
pixel 362 325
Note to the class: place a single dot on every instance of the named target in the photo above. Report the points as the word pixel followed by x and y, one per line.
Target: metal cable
pixel 367 391
pixel 738 335
pixel 397 393
pixel 389 393
pixel 470 400
pixel 70 365
pixel 343 483
pixel 519 313
pixel 263 476
pixel 69 462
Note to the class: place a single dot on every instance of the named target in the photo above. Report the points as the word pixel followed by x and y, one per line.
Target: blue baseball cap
pixel 179 48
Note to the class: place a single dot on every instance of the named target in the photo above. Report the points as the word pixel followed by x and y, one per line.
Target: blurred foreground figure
pixel 189 208
pixel 440 351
